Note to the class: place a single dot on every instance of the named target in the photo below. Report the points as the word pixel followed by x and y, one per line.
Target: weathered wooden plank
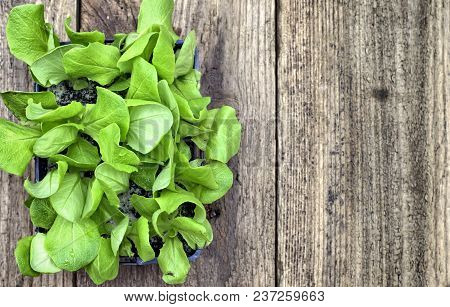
pixel 237 48
pixel 14 218
pixel 364 143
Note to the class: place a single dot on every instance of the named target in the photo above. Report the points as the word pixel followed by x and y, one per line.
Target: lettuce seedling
pixel 125 175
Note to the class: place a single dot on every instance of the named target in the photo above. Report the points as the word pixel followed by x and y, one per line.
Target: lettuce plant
pixel 150 130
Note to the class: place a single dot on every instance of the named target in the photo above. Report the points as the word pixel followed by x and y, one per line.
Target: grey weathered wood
pixel 363 143
pixel 237 49
pixel 14 218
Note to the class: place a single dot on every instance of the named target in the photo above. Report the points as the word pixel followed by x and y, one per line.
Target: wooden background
pixel 342 179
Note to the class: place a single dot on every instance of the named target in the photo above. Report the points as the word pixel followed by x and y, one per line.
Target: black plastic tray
pixel 41 170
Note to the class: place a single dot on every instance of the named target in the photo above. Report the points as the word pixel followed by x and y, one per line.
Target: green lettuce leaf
pixel 224 178
pixel 113 182
pixel 72 246
pixel 27 33
pixel 164 57
pixel 225 139
pixel 185 59
pixel 140 236
pixel 118 233
pixel 173 262
pixel 36 112
pixel 94 196
pixel 49 185
pixel 16 146
pixel 42 213
pixel 148 125
pixel 156 12
pixel 142 47
pixel 56 140
pixel 115 155
pixel 105 266
pixel 49 69
pixel 22 254
pixel 110 108
pixel 83 38
pixel 40 261
pixel 69 200
pixel 146 207
pixel 144 82
pixel 97 62
pixel 81 155
pixel 17 102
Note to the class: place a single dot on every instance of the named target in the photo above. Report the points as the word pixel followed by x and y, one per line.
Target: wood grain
pixel 363 143
pixel 237 49
pixel 14 219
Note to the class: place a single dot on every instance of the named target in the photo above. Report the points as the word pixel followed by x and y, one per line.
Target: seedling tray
pixel 41 169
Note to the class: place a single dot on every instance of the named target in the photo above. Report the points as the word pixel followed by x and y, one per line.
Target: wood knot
pixel 381 94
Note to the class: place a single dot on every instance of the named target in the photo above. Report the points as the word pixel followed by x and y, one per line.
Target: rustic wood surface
pixel 342 179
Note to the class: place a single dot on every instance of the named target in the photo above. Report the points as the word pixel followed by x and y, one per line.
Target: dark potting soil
pixel 65 93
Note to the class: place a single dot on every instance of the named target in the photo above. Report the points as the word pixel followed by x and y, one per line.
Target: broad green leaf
pixel 145 176
pixel 113 182
pixel 148 125
pixel 69 201
pixel 161 153
pixel 42 213
pixel 144 206
pixel 53 39
pixel 37 113
pixel 118 234
pixel 170 102
pixel 195 233
pixel 198 106
pixel 225 139
pixel 105 266
pixel 142 47
pixel 83 38
pixel 97 62
pixel 185 59
pixel 16 144
pixel 49 69
pixel 27 33
pixel 190 130
pixel 224 178
pixel 207 122
pixel 164 57
pixel 81 155
pixel 165 179
pixel 94 196
pixel 40 261
pixel 144 81
pixel 119 39
pixel 169 201
pixel 184 150
pixel 110 108
pixel 79 84
pixel 115 155
pixel 140 236
pixel 72 246
pixel 156 12
pixel 187 86
pixel 125 249
pixel 17 102
pixel 186 112
pixel 105 214
pixel 22 254
pixel 202 175
pixel 56 140
pixel 49 185
pixel 120 85
pixel 173 262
